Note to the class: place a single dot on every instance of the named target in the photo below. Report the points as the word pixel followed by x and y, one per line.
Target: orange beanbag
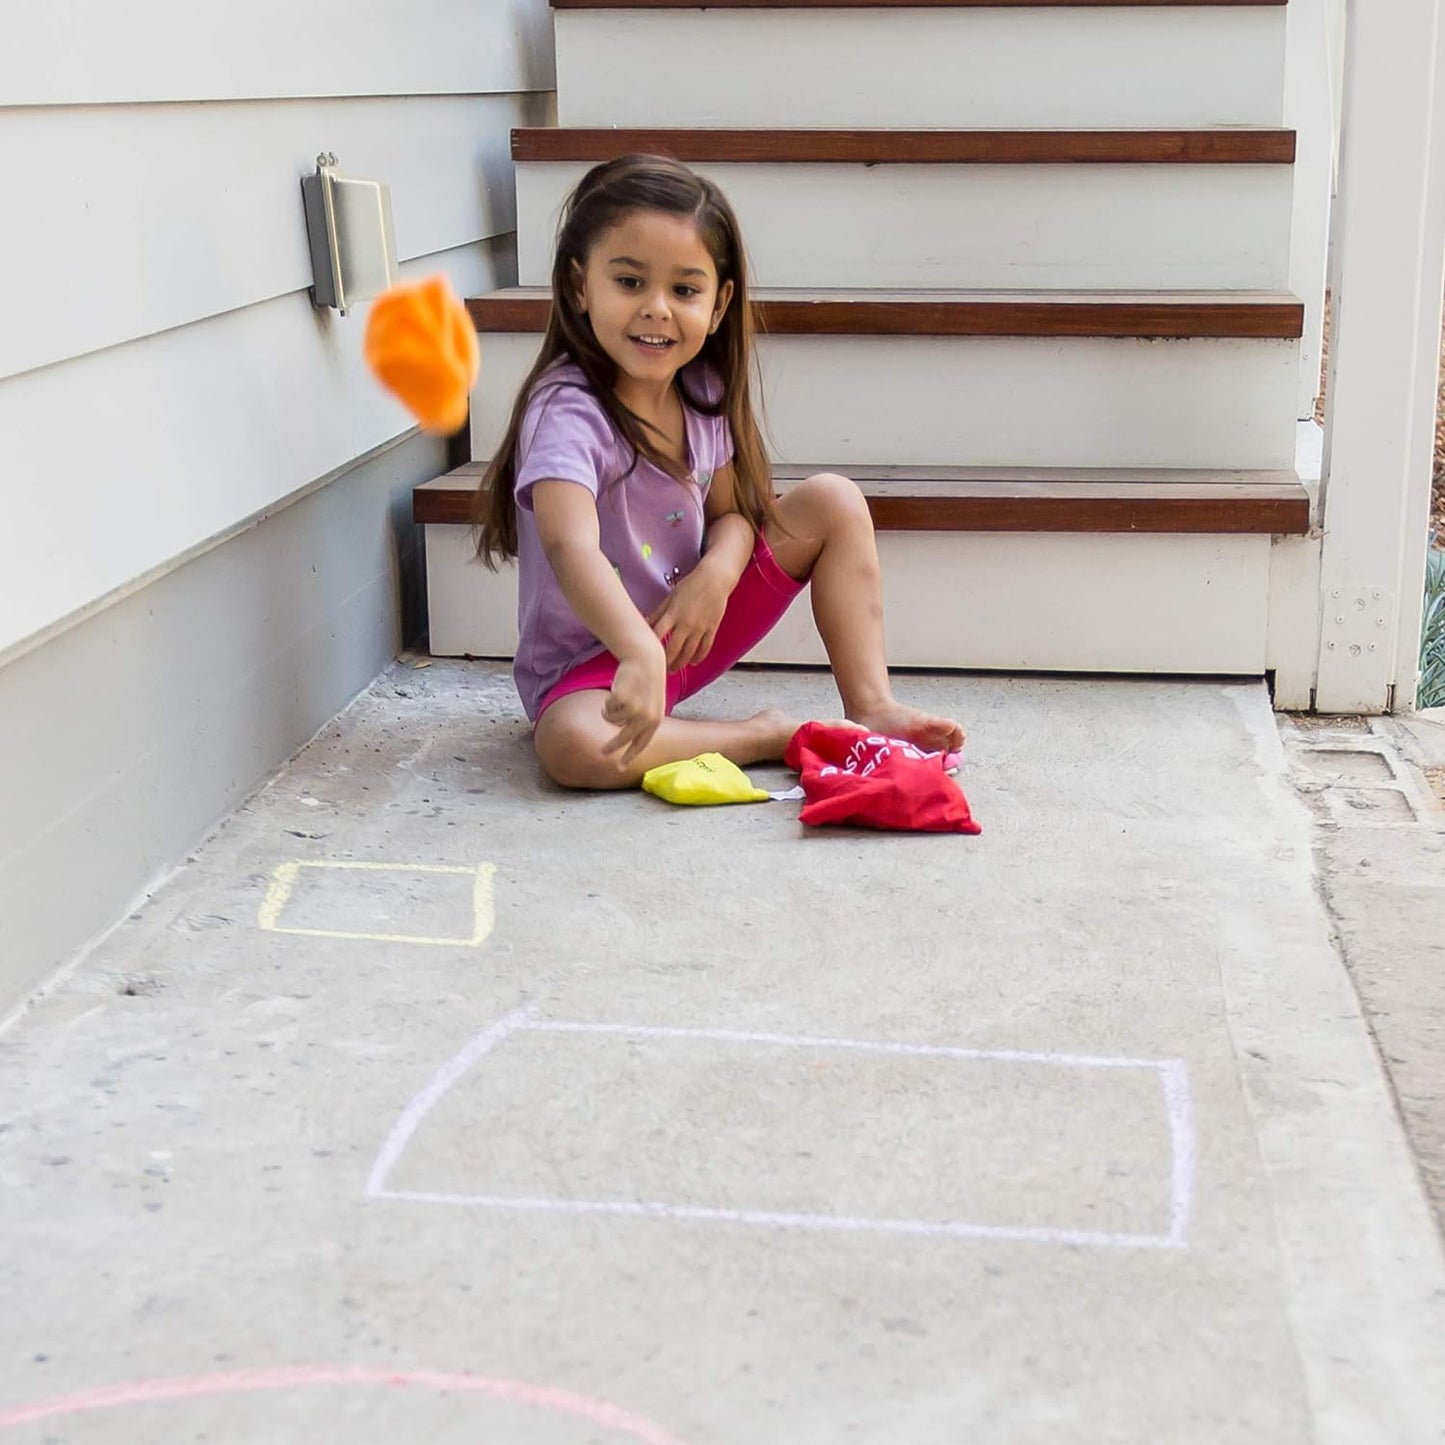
pixel 422 346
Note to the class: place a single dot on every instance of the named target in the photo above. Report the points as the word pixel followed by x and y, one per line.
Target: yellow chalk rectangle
pixel 286 876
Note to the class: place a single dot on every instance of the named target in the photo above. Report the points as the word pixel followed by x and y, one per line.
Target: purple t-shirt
pixel 650 524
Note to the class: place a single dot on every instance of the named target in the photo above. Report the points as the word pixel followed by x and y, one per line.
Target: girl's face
pixel 650 289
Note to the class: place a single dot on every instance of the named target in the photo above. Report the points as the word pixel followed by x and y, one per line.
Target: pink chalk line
pixel 512 1392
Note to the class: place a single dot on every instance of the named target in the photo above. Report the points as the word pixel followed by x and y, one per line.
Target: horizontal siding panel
pixel 89 52
pixel 153 217
pixel 1010 227
pixel 115 464
pixel 962 69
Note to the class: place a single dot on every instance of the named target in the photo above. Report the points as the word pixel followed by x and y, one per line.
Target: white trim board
pixel 1388 267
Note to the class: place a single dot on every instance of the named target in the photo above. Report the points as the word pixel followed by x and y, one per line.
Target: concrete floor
pixel 426 1103
pixel 1376 789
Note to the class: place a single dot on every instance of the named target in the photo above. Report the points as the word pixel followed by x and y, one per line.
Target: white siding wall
pixel 163 375
pixel 205 535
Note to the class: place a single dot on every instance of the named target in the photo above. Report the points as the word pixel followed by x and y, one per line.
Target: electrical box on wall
pixel 353 249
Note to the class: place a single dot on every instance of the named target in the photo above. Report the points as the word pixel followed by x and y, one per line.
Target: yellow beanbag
pixel 421 344
pixel 709 778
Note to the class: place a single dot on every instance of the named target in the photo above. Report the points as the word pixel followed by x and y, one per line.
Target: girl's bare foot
pixel 774 731
pixel 924 730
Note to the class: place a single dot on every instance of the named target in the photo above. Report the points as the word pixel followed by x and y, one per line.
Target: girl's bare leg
pixel 824 531
pixel 572 733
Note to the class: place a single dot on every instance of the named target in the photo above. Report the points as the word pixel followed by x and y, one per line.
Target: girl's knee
pixel 826 507
pixel 569 747
pixel 837 495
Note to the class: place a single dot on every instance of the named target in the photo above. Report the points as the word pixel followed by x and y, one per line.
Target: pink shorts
pixel 757 602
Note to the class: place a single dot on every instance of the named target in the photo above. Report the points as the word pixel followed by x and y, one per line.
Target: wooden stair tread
pixel 900 4
pixel 1233 146
pixel 1261 315
pixel 1014 499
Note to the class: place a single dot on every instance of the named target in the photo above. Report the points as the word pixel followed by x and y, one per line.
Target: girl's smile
pixel 650 289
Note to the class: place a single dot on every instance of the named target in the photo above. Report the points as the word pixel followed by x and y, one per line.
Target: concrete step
pixel 969 209
pixel 1003 379
pixel 954 66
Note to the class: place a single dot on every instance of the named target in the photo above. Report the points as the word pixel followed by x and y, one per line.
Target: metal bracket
pixel 348 222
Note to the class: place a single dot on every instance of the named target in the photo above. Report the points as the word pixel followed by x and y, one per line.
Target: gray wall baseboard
pixel 124 740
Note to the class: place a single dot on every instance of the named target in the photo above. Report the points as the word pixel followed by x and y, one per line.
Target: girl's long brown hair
pixel 601 200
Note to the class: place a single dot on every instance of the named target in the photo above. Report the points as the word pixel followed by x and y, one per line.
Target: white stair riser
pixel 1016 601
pixel 1019 227
pixel 992 401
pixel 943 68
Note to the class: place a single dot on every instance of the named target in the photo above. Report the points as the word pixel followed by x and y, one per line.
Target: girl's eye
pixel 686 292
pixel 628 283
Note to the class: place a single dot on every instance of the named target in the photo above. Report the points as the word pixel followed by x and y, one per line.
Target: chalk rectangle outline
pixel 283 882
pixel 1174 1080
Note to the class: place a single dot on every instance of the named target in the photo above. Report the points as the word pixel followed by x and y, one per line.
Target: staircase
pixel 1020 272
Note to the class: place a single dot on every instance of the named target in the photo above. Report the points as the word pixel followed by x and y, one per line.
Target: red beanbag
pixel 853 776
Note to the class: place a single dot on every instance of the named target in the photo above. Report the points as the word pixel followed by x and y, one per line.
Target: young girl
pixel 633 487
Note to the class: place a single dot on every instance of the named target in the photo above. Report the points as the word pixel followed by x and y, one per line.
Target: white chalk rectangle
pixel 798 1132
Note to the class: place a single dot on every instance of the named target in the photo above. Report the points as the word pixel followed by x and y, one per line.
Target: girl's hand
pixel 688 621
pixel 636 704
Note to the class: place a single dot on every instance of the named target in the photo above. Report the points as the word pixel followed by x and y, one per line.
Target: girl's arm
pixel 566 515
pixel 728 541
pixel 688 621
